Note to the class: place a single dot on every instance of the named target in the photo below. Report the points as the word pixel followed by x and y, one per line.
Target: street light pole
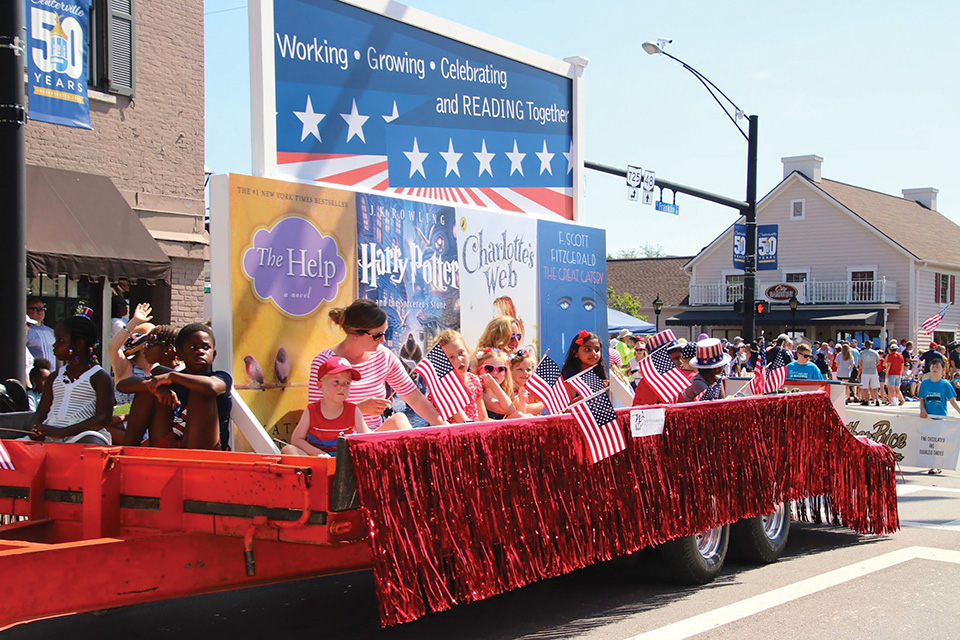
pixel 750 215
pixel 750 210
pixel 13 240
pixel 657 308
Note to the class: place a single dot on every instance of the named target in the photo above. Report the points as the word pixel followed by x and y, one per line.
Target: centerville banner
pixel 296 251
pixel 57 36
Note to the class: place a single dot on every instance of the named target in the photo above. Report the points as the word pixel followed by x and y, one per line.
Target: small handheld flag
pixel 596 418
pixel 547 382
pixel 445 388
pixel 6 462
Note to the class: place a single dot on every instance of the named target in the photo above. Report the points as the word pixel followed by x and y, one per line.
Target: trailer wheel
pixel 697 559
pixel 762 539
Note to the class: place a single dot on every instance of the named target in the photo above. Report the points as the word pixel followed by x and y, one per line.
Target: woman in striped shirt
pixel 365 324
pixel 77 401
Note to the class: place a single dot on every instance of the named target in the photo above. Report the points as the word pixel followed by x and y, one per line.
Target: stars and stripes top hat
pixel 710 355
pixel 665 337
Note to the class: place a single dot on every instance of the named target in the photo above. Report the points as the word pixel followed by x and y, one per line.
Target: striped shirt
pixel 382 366
pixel 73 402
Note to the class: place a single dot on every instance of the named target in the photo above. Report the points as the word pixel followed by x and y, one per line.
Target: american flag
pixel 6 462
pixel 664 377
pixel 933 321
pixel 547 382
pixel 768 378
pixel 596 417
pixel 446 390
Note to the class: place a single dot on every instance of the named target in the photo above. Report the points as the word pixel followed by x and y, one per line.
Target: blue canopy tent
pixel 617 320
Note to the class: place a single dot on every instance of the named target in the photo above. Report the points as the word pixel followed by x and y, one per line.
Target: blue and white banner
pixel 767 241
pixel 57 36
pixel 369 102
pixel 739 246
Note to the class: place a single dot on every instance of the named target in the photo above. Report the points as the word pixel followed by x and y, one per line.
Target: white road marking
pixel 750 606
pixel 953 525
pixel 905 490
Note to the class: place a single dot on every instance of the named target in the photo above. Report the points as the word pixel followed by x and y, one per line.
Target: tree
pixel 646 251
pixel 628 303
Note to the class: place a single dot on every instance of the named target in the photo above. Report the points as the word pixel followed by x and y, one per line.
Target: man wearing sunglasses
pixel 39 336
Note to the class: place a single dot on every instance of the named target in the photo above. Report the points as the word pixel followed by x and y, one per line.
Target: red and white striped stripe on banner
pixel 369 173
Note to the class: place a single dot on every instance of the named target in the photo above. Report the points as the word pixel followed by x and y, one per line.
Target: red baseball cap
pixel 333 366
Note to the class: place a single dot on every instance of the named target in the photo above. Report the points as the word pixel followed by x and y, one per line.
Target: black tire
pixel 762 539
pixel 697 559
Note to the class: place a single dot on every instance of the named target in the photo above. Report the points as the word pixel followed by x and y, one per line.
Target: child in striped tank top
pixel 77 402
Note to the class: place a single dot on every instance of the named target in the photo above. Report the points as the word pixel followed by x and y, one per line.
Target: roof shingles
pixel 645 278
pixel 928 235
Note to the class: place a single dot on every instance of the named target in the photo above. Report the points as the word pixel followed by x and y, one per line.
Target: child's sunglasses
pixel 489 368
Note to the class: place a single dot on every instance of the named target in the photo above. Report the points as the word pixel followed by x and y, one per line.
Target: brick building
pixel 146 109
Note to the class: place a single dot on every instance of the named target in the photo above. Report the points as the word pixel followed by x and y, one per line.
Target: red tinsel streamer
pixel 460 514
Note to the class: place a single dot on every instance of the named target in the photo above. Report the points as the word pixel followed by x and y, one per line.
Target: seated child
pixel 38 377
pixel 452 344
pixel 522 365
pixel 77 403
pixel 330 417
pixel 493 370
pixel 196 398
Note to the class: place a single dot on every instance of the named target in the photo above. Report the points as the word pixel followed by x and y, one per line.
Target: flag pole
pixel 590 397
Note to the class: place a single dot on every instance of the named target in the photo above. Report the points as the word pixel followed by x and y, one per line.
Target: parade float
pixel 436 171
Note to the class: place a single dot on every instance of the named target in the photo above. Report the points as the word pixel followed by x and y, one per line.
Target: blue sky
pixel 869 86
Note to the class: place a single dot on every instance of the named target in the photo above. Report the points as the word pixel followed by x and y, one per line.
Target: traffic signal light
pixel 738 307
pixel 761 307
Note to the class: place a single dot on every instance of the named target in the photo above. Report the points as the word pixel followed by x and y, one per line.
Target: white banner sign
pixel 916 441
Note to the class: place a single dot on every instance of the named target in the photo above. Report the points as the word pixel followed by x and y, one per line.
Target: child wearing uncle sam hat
pixel 710 361
pixel 330 417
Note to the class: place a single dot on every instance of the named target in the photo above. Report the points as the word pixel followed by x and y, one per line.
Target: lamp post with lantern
pixel 794 303
pixel 657 308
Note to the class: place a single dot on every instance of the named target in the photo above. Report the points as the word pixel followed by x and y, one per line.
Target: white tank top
pixel 73 402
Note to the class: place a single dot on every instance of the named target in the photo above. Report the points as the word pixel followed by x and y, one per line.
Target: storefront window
pixel 63 296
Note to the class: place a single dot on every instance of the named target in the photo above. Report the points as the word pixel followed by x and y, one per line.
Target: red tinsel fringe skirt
pixel 460 514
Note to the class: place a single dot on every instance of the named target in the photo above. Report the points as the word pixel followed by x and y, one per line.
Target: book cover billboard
pixel 293 258
pixel 573 285
pixel 498 272
pixel 407 263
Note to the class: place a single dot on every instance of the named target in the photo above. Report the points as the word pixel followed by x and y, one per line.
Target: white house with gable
pixel 860 263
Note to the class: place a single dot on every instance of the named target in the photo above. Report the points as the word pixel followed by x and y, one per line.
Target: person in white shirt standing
pixel 39 336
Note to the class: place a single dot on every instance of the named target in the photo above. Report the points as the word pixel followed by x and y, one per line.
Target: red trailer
pixel 442 515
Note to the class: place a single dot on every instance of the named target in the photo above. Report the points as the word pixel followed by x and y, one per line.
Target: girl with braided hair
pixel 77 403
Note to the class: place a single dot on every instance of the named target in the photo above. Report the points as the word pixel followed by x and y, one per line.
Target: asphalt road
pixel 830 583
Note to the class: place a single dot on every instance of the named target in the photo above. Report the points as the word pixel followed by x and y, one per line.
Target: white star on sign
pixel 310 121
pixel 516 159
pixel 569 156
pixel 393 116
pixel 484 159
pixel 545 159
pixel 355 123
pixel 416 158
pixel 452 158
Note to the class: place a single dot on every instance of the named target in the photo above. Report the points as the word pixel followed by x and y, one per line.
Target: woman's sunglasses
pixel 376 336
pixel 489 368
